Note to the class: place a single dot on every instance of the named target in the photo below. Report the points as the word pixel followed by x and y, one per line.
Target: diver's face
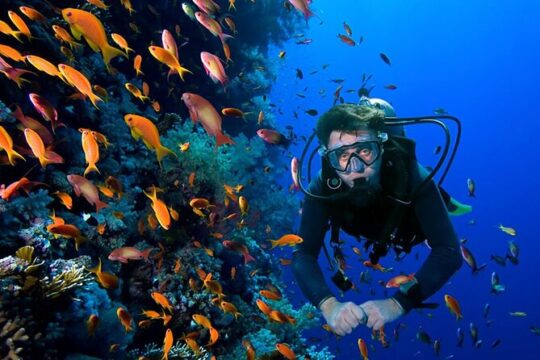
pixel 339 138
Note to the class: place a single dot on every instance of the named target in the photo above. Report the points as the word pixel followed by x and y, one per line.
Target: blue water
pixel 479 61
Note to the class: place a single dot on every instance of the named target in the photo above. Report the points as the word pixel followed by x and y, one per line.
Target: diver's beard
pixel 363 193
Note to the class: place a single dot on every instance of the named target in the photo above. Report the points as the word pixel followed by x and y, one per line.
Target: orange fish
pixel 165 57
pixel 88 190
pixel 135 91
pixel 453 306
pixel 33 14
pixel 105 191
pixel 377 266
pixel 104 278
pixel 160 209
pixel 13 188
pixel 363 349
pixel 285 351
pixel 212 26
pixel 69 231
pixel 168 42
pixel 162 301
pixel 91 151
pixel 115 184
pixel 399 280
pixel 84 23
pixel 77 79
pixel 61 34
pixel 37 146
pixel 239 247
pixel 270 295
pixel 347 40
pixel 184 147
pixel 91 324
pixel 44 65
pixel 202 110
pixel 167 344
pixel 214 335
pixel 280 317
pixel 98 3
pixel 65 198
pixel 191 179
pixel 20 24
pixel 263 307
pixel 155 105
pixel 7 30
pixel 137 65
pixel 6 144
pixel 11 53
pixel 29 122
pixel 121 42
pixel 250 350
pixel 243 204
pixel 202 321
pixel 142 127
pixel 126 253
pixel 214 68
pixel 287 240
pixel 125 318
pixel 46 110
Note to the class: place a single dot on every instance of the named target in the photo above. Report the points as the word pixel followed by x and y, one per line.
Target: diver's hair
pixel 349 118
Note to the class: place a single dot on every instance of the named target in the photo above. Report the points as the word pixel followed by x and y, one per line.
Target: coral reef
pixel 189 270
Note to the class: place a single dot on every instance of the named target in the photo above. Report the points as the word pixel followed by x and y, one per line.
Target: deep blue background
pixel 479 61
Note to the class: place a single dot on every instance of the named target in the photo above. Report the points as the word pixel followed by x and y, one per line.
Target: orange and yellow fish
pixel 142 127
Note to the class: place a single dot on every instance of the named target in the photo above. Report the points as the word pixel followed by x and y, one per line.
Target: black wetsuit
pixel 427 218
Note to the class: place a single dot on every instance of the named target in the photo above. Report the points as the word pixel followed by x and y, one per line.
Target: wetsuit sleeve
pixel 313 227
pixel 445 257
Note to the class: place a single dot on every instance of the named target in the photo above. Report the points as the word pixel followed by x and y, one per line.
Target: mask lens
pixel 355 155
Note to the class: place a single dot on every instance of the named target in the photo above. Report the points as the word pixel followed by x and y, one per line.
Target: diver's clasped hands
pixel 380 312
pixel 344 317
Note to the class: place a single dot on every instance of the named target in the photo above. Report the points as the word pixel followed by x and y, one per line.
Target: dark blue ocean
pixel 479 62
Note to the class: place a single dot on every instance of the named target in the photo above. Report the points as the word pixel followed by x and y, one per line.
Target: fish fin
pixel 100 205
pixel 110 52
pixel 181 71
pixel 148 145
pixel 146 253
pixel 90 168
pixel 12 155
pixel 94 99
pixel 274 243
pixel 97 269
pixel 221 139
pixel 136 135
pixel 92 45
pixel 163 151
pixel 248 258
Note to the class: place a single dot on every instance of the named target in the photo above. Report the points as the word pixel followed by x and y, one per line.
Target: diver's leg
pixel 454 207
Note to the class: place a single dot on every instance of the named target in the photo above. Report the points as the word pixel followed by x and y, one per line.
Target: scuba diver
pixel 371 186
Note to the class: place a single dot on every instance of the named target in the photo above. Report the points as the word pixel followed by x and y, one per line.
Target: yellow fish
pixel 142 127
pixel 86 24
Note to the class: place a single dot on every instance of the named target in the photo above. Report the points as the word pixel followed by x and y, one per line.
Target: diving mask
pixel 355 157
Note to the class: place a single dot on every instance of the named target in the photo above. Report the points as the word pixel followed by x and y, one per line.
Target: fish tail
pixel 274 243
pixel 17 35
pixel 181 71
pixel 100 205
pixel 109 52
pixel 12 155
pixel 248 257
pixel 163 151
pixel 221 139
pixel 90 168
pixel 94 99
pixel 224 37
pixel 146 253
pixel 79 240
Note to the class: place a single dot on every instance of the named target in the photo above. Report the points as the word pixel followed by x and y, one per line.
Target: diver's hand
pixel 342 317
pixel 380 312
